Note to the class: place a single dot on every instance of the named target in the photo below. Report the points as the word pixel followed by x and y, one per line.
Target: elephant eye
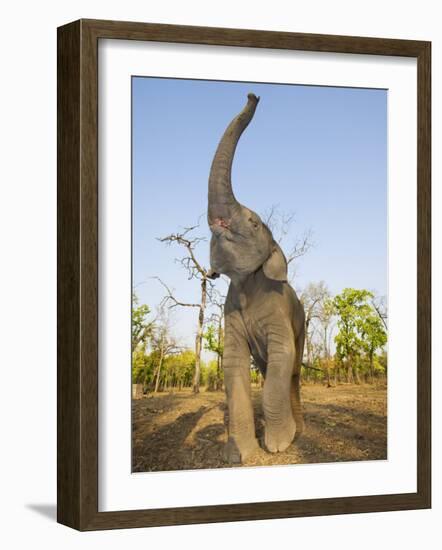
pixel 254 223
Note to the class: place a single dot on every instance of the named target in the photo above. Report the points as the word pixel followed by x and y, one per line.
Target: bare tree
pixel 163 343
pixel 312 297
pixel 217 301
pixel 195 270
pixel 325 315
pixel 281 225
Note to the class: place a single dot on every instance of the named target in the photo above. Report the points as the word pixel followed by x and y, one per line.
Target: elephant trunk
pixel 222 201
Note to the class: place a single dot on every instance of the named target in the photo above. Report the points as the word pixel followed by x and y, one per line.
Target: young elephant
pixel 263 316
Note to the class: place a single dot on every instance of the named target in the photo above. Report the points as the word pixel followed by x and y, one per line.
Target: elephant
pixel 264 318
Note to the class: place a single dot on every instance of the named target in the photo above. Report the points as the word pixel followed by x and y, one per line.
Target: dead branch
pixel 171 297
pixel 300 247
pixel 310 367
pixel 280 224
pixel 189 262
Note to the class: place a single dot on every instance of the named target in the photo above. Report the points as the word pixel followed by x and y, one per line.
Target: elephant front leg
pixel 242 442
pixel 280 425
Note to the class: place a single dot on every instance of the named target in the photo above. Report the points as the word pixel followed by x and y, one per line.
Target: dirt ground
pixel 182 431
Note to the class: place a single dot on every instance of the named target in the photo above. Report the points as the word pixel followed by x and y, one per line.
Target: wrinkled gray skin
pixel 263 316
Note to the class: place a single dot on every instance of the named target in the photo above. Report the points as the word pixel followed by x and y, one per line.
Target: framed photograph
pixel 243 274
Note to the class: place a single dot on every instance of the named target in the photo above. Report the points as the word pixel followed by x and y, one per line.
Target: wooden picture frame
pixel 77 225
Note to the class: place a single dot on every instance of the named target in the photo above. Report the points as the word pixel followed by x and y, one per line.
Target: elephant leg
pixel 280 426
pixel 242 442
pixel 296 385
pixel 295 395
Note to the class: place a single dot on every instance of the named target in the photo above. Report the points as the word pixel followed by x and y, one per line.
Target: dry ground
pixel 182 431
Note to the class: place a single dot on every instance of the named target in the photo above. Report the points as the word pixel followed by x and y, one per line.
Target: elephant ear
pixel 275 267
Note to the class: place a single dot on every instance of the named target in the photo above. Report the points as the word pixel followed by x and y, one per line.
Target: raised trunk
pixel 221 198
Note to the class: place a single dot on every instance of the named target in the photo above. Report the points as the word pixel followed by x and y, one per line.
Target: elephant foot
pixel 279 438
pixel 236 453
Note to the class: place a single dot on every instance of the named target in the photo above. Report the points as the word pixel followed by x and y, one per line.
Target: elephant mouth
pixel 222 222
pixel 220 226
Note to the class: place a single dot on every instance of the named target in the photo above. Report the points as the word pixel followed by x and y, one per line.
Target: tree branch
pixel 382 314
pixel 171 297
pixel 189 244
pixel 300 247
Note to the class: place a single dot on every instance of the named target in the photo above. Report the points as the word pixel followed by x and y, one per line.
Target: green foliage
pixel 378 365
pixel 255 375
pixel 177 369
pixel 351 307
pixel 372 332
pixel 142 367
pixel 361 331
pixel 212 340
pixel 209 375
pixel 159 364
pixel 141 328
pixel 381 362
pixel 327 310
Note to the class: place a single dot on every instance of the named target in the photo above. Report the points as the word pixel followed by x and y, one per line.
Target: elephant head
pixel 241 243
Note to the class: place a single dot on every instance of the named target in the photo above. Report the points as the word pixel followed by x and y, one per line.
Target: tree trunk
pixel 371 368
pixel 218 372
pixel 145 384
pixel 349 373
pixel 327 359
pixel 199 337
pixel 356 374
pixel 219 358
pixel 308 349
pixel 197 374
pixel 160 362
pixel 327 370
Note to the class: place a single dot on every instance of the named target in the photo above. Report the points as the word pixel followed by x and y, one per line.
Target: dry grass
pixel 182 431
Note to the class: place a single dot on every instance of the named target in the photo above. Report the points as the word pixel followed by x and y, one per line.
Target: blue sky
pixel 317 152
